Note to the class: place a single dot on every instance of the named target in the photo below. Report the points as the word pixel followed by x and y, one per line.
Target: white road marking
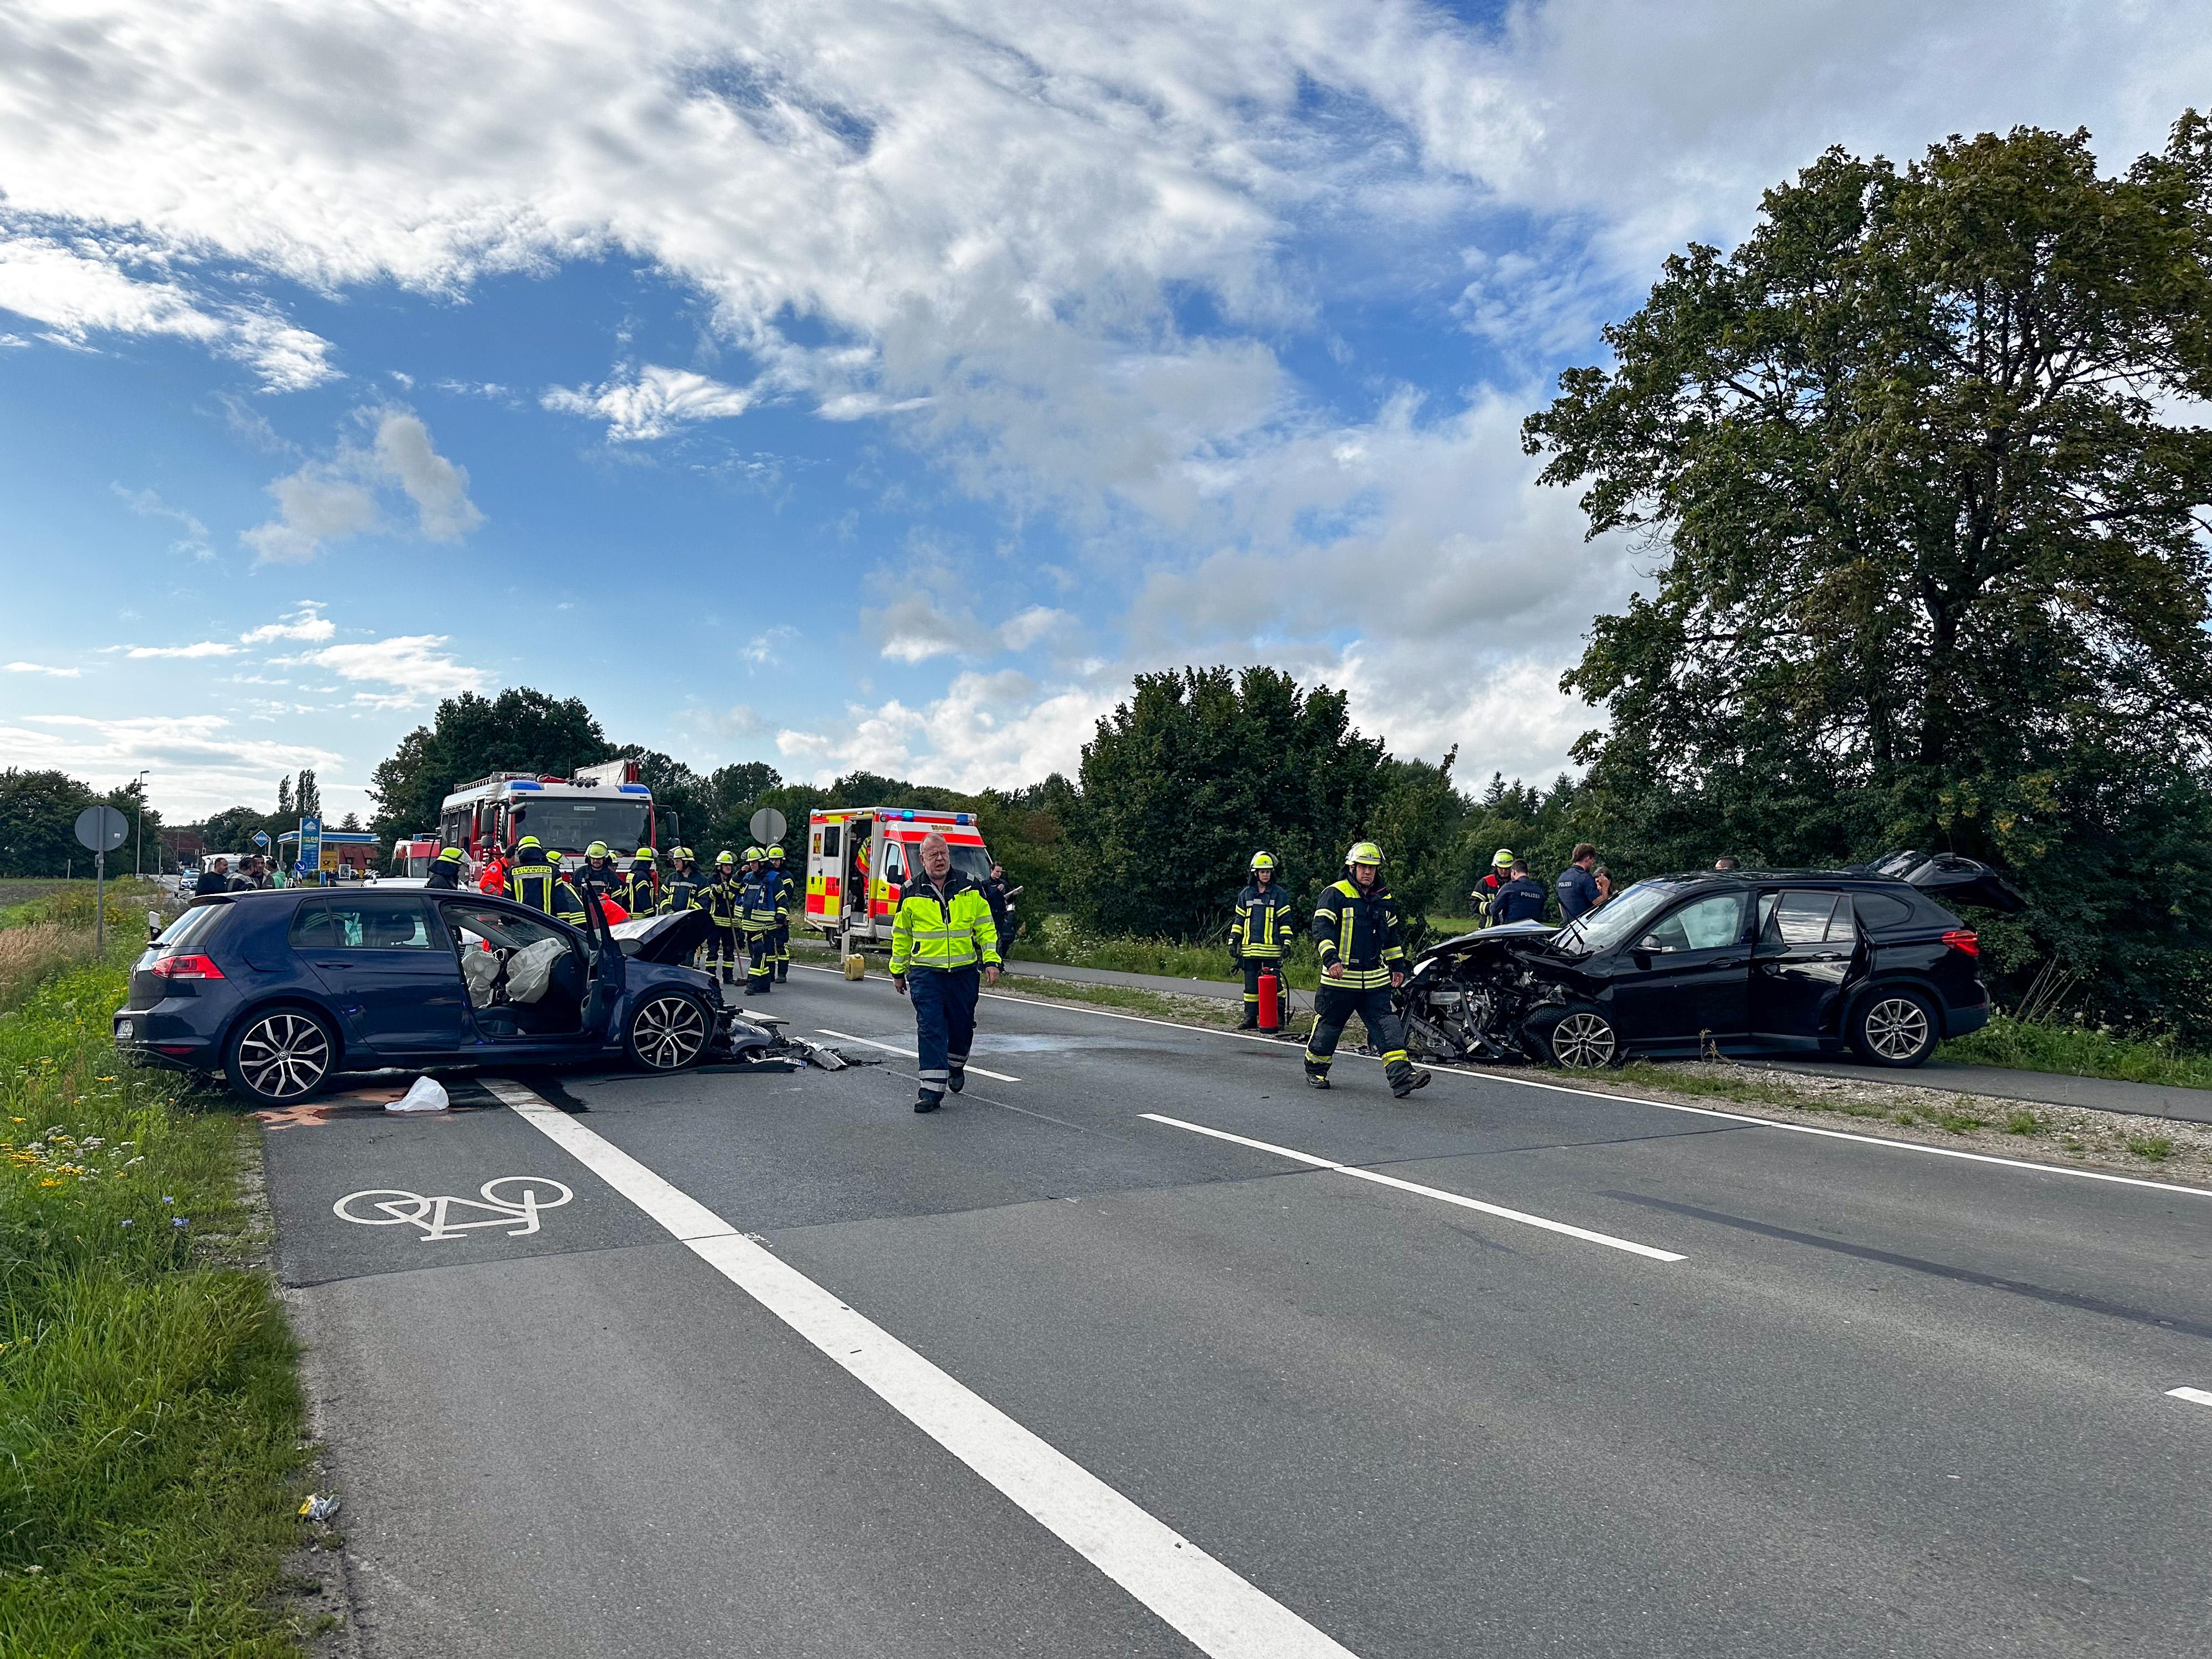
pixel 1664 1105
pixel 518 1214
pixel 1218 1611
pixel 2198 1396
pixel 893 1049
pixel 1437 1193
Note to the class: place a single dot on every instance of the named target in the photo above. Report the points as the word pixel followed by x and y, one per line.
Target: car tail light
pixel 185 967
pixel 1963 939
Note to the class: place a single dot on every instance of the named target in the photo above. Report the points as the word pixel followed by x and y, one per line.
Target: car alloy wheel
pixel 1584 1042
pixel 1897 1029
pixel 284 1055
pixel 668 1033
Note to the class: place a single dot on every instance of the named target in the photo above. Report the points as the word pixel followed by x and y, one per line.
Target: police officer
pixel 638 892
pixel 530 878
pixel 598 877
pixel 759 898
pixel 941 933
pixel 447 870
pixel 1363 960
pixel 1263 921
pixel 787 902
pixel 1521 899
pixel 719 899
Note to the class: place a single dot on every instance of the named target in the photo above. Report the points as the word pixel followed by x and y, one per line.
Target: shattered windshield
pixel 1610 925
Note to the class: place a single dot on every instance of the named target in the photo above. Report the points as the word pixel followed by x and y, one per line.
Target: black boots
pixel 1407 1080
pixel 928 1103
pixel 957 1080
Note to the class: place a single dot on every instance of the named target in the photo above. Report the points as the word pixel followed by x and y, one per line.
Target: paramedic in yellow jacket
pixel 944 950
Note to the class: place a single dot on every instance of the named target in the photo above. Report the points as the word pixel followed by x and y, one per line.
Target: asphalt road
pixel 793 1371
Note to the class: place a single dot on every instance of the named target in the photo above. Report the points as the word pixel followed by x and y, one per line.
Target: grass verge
pixel 150 1417
pixel 2079 1051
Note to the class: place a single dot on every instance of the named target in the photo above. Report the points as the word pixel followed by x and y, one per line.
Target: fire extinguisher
pixel 1271 1000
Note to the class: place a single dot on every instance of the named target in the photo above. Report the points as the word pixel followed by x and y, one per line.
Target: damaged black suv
pixel 1864 960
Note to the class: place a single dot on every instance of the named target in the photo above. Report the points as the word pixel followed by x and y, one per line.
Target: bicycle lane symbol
pixel 517 1210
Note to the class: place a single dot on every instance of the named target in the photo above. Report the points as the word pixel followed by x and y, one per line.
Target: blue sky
pixel 866 385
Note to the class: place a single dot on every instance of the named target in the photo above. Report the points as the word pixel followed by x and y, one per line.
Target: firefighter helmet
pixel 682 855
pixel 528 844
pixel 752 855
pixel 724 857
pixel 776 852
pixel 1364 852
pixel 1501 859
pixel 598 849
pixel 450 855
pixel 1263 861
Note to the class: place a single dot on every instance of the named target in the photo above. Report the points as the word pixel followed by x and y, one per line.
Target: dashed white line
pixel 1436 1193
pixel 893 1049
pixel 2196 1396
pixel 1219 1613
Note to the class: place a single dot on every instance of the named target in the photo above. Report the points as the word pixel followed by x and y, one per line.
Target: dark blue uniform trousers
pixel 944 1021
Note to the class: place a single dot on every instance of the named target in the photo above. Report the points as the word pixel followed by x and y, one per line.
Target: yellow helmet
pixel 682 855
pixel 528 844
pixel 598 849
pixel 752 855
pixel 1263 861
pixel 724 857
pixel 1364 852
pixel 776 852
pixel 450 855
pixel 1501 859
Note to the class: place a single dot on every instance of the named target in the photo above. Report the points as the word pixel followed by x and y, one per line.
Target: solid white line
pixel 1662 1105
pixel 1218 1611
pixel 1437 1193
pixel 2199 1396
pixel 893 1049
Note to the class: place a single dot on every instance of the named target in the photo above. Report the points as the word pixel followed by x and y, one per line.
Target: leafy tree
pixel 38 823
pixel 1934 525
pixel 308 798
pixel 1196 772
pixel 350 823
pixel 284 796
pixel 519 730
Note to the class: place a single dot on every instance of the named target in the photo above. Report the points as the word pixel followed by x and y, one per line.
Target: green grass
pixel 150 1416
pixel 2079 1051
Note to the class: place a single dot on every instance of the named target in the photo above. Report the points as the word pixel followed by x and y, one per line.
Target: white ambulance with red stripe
pixel 857 857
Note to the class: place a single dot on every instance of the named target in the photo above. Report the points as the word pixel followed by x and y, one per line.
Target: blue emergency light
pixel 633 788
pixel 520 784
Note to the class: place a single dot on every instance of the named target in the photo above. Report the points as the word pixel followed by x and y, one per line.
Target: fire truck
pixel 858 856
pixel 600 803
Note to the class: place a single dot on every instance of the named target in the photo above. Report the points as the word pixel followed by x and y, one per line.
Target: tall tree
pixel 1934 521
pixel 1196 772
pixel 306 795
pixel 284 796
pixel 519 730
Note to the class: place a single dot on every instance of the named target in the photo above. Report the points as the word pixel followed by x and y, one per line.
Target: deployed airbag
pixel 481 969
pixel 530 969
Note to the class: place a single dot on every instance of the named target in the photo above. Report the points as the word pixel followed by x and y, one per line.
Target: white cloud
pixel 201 763
pixel 987 730
pixel 82 289
pixel 651 402
pixel 307 622
pixel 417 666
pixel 41 668
pixel 332 499
pixel 1039 622
pixel 202 648
pixel 147 504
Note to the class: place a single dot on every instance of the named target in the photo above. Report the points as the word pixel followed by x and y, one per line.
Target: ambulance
pixel 857 858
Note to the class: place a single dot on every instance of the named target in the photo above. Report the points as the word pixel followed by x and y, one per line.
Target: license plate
pixel 122 1030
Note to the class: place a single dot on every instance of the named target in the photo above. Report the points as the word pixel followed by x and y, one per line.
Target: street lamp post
pixel 138 846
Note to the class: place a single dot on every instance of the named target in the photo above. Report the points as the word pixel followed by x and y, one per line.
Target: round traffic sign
pixel 102 828
pixel 767 826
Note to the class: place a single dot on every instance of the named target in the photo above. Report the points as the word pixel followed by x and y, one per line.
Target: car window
pixel 1803 918
pixel 190 926
pixel 362 924
pixel 1614 924
pixel 1881 911
pixel 1706 925
pixel 894 863
pixel 471 925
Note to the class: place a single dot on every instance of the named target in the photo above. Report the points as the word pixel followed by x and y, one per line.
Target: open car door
pixel 1951 879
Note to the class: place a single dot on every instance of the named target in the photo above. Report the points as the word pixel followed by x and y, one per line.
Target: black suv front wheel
pixel 1894 1025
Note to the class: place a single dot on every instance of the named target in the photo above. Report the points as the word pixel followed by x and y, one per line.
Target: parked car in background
pixel 1866 961
pixel 281 991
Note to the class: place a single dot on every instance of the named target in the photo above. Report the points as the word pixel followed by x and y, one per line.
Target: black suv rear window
pixel 1880 912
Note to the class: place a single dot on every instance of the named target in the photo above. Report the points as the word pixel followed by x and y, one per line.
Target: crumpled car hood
pixel 671 939
pixel 1515 938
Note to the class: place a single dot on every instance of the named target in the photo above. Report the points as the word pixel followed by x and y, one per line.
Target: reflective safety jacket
pixel 1265 919
pixel 786 895
pixel 759 896
pixel 719 899
pixel 683 890
pixel 531 883
pixel 953 930
pixel 636 895
pixel 1361 932
pixel 594 879
pixel 567 902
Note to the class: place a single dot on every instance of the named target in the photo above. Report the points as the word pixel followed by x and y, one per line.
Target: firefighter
pixel 530 878
pixel 447 870
pixel 1264 920
pixel 684 886
pixel 598 877
pixel 941 933
pixel 1501 871
pixel 1363 960
pixel 759 897
pixel 719 899
pixel 640 892
pixel 786 901
pixel 570 897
